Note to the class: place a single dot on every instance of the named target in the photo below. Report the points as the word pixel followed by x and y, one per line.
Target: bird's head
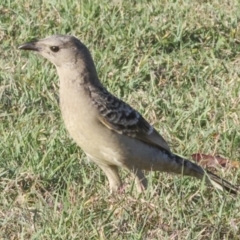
pixel 70 56
pixel 61 50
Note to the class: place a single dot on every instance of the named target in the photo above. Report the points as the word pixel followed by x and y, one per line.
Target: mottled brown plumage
pixel 110 132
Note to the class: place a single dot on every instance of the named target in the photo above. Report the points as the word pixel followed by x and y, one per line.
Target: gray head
pixel 64 51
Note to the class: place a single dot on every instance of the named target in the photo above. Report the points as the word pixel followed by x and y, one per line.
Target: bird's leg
pixel 140 180
pixel 111 172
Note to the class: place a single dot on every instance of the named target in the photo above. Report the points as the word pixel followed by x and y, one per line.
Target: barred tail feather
pixel 194 170
pixel 222 184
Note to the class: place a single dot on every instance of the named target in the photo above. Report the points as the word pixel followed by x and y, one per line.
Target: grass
pixel 177 62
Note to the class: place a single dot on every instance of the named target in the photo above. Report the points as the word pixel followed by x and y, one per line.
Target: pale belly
pixel 98 142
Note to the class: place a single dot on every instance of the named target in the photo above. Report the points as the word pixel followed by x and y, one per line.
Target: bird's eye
pixel 54 48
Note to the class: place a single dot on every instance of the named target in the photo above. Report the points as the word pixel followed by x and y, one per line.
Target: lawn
pixel 176 62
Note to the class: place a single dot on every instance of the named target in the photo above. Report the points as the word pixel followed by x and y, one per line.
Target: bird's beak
pixel 33 46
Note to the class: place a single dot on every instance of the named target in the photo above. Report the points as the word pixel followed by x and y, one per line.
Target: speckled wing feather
pixel 120 117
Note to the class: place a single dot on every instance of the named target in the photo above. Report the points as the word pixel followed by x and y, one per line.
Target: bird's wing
pixel 123 119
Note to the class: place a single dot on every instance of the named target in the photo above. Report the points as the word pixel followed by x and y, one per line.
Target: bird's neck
pixel 78 75
pixel 75 82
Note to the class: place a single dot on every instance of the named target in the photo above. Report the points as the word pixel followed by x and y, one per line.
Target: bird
pixel 110 132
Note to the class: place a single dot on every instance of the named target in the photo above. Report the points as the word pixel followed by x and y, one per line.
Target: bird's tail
pixel 222 184
pixel 191 169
